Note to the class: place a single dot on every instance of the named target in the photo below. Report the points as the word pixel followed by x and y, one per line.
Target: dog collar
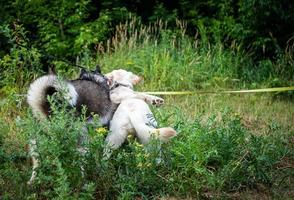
pixel 117 84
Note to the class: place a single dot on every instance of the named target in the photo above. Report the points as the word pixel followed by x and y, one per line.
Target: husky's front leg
pixel 34 155
pixel 83 142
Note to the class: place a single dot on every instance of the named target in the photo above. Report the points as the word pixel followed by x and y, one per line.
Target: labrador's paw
pixel 157 101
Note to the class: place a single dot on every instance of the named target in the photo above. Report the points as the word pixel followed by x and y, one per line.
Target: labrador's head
pixel 124 77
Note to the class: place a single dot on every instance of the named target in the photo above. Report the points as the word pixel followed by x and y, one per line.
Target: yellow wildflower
pixel 139 145
pixel 148 165
pixel 129 62
pixel 156 133
pixel 140 165
pixel 130 136
pixel 101 131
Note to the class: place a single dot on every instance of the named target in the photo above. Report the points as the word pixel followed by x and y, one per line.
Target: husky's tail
pixel 44 86
pixel 144 131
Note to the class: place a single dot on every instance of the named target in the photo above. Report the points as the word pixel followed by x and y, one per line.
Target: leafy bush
pixel 216 157
pixel 21 64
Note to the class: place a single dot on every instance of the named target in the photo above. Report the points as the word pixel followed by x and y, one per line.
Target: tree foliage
pixel 72 30
pixel 66 27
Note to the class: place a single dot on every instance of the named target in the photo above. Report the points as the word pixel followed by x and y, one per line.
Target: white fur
pixel 34 154
pixel 71 94
pixel 123 77
pixel 133 116
pixel 36 93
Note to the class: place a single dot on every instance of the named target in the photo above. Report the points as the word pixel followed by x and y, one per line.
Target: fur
pixel 90 90
pixel 133 115
pixel 47 85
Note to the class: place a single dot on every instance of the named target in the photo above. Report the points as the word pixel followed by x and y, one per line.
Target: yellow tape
pixel 278 89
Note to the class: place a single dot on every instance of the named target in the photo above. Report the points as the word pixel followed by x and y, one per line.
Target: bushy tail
pixel 47 85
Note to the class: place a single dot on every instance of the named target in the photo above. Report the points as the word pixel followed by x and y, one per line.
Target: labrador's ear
pixel 136 79
pixel 110 81
pixel 98 69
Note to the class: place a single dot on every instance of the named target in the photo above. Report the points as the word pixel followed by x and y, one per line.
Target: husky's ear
pixel 98 69
pixel 83 72
pixel 52 71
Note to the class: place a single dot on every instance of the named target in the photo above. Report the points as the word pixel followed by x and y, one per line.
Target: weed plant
pixel 217 157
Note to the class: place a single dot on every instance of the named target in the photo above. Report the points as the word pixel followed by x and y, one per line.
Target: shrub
pixel 214 157
pixel 21 64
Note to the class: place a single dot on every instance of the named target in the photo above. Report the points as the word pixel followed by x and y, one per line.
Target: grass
pixel 168 61
pixel 228 146
pixel 257 111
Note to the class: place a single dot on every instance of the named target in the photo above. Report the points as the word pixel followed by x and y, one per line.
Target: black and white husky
pixel 90 90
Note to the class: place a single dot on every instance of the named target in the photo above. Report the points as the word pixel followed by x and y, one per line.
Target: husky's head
pixel 94 76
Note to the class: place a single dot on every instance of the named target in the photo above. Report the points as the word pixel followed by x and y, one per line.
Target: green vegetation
pixel 211 157
pixel 228 146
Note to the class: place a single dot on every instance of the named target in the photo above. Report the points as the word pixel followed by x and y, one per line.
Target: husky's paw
pixel 157 101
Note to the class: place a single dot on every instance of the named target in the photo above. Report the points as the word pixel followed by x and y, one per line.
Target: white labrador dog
pixel 133 115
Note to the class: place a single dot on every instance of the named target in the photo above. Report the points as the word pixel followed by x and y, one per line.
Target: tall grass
pixel 171 60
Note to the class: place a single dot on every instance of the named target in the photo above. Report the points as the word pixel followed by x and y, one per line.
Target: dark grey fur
pixel 95 97
pixel 93 93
